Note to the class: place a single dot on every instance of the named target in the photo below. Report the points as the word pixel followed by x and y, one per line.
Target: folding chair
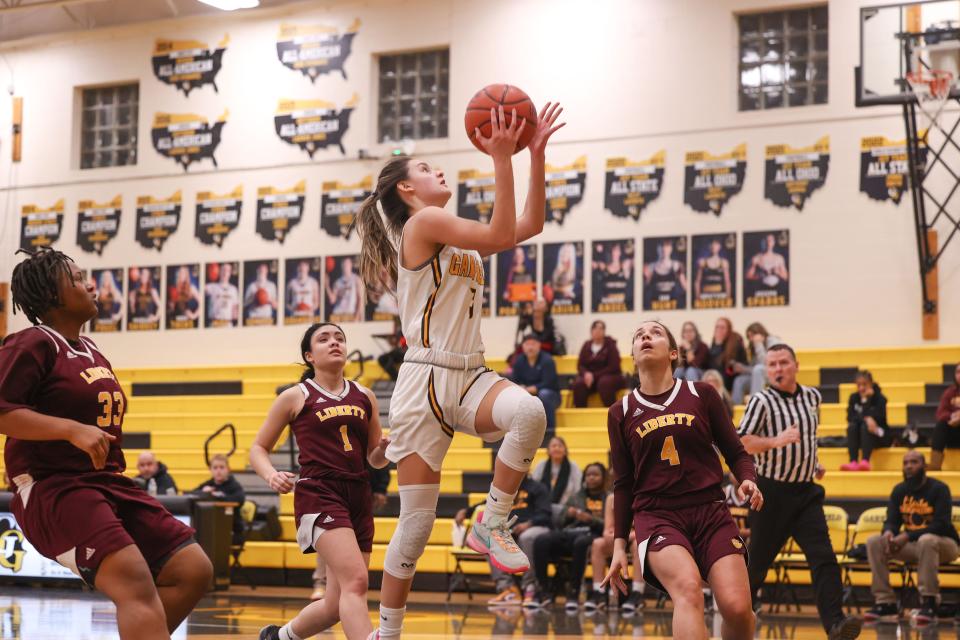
pixel 869 523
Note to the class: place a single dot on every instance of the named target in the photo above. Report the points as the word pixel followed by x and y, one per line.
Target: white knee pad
pixel 521 415
pixel 418 510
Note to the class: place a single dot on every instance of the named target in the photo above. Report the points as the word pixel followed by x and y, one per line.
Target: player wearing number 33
pixel 664 438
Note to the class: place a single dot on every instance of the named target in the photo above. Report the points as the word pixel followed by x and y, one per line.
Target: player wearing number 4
pixel 337 426
pixel 663 442
pixel 61 408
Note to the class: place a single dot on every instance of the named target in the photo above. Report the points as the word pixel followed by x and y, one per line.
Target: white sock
pixel 596 586
pixel 498 505
pixel 286 633
pixel 639 586
pixel 391 621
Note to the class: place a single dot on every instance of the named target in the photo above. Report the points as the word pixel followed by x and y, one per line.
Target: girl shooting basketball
pixel 433 260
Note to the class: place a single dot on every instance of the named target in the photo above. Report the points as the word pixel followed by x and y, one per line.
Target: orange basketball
pixel 262 297
pixel 492 96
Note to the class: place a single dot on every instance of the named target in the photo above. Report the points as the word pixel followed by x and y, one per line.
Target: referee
pixel 780 429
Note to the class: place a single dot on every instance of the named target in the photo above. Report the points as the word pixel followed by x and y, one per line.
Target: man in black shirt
pixel 918 530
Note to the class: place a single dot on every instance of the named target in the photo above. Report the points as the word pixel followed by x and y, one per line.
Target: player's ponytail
pixel 378 248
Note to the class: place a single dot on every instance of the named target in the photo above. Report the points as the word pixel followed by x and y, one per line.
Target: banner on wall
pixel 188 64
pixel 261 298
pixel 302 299
pixel 97 224
pixel 709 181
pixel 316 49
pixel 884 168
pixel 143 301
pixel 631 186
pixel 714 263
pixel 110 300
pixel 157 220
pixel 516 278
pixel 792 175
pixel 612 275
pixel 565 188
pixel 186 137
pixel 475 193
pixel 222 294
pixel 183 296
pixel 766 268
pixel 279 211
pixel 217 216
pixel 563 277
pixel 40 227
pixel 665 282
pixel 339 204
pixel 313 124
pixel 344 290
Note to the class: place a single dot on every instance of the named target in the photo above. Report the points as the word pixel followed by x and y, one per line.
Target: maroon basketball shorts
pixel 333 504
pixel 80 519
pixel 706 531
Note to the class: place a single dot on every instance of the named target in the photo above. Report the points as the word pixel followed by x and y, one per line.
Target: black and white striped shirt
pixel 768 414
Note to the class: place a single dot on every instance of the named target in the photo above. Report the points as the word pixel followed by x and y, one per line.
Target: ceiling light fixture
pixel 231 5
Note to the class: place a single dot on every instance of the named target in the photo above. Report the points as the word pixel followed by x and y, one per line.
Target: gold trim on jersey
pixel 437 279
pixel 435 406
pixel 470 384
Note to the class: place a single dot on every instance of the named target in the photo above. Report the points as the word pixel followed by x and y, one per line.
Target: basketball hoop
pixel 931 87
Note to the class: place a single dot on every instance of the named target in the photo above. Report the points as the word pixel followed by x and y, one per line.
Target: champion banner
pixel 565 188
pixel 279 211
pixel 710 181
pixel 97 224
pixel 157 220
pixel 792 175
pixel 40 227
pixel 217 215
pixel 313 124
pixel 188 64
pixel 665 273
pixel 315 50
pixel 340 203
pixel 475 192
pixel 562 282
pixel 714 263
pixel 766 268
pixel 143 302
pixel 884 168
pixel 631 186
pixel 186 137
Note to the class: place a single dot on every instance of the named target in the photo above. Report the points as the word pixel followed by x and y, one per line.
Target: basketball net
pixel 931 87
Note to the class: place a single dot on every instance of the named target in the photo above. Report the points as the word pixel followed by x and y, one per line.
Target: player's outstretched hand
pixel 502 142
pixel 93 441
pixel 282 481
pixel 618 564
pixel 546 127
pixel 749 489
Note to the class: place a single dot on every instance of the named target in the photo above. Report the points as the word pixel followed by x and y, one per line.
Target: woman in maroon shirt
pixel 598 368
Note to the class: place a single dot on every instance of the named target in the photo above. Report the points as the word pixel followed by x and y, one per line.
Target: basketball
pixel 492 96
pixel 213 271
pixel 262 297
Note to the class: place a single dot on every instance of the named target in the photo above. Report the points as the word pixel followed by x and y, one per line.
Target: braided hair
pixel 35 282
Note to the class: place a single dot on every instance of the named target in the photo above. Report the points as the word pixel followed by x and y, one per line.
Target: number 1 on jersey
pixel 346 440
pixel 669 452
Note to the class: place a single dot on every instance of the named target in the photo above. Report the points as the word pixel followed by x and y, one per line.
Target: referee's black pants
pixel 796 509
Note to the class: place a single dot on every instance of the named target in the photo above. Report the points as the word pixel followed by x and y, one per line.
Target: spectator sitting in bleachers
pixel 598 368
pixel 946 432
pixel 536 372
pixel 727 351
pixel 715 380
pixel 223 487
pixel 918 530
pixel 600 553
pixel 694 354
pixel 866 422
pixel 153 476
pixel 560 475
pixel 583 523
pixel 535 318
pixel 752 377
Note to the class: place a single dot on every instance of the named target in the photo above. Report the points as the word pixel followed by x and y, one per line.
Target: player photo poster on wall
pixel 565 188
pixel 714 266
pixel 475 193
pixel 340 203
pixel 279 211
pixel 612 275
pixel 221 294
pixel 563 277
pixel 261 299
pixel 97 224
pixel 631 186
pixel 157 220
pixel 665 282
pixel 884 168
pixel 183 296
pixel 792 175
pixel 344 289
pixel 314 50
pixel 302 299
pixel 40 227
pixel 217 216
pixel 143 299
pixel 766 268
pixel 516 278
pixel 110 300
pixel 188 64
pixel 709 181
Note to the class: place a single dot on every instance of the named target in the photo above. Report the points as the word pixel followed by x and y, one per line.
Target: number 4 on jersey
pixel 669 452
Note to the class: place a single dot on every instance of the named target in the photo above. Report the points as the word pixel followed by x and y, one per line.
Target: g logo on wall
pixel 188 64
pixel 710 181
pixel 279 211
pixel 40 227
pixel 884 168
pixel 97 224
pixel 217 215
pixel 565 188
pixel 186 137
pixel 157 220
pixel 313 124
pixel 475 193
pixel 792 175
pixel 340 203
pixel 315 50
pixel 631 186
pixel 11 546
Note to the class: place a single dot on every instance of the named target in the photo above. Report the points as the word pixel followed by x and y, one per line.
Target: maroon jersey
pixel 41 370
pixel 331 432
pixel 664 450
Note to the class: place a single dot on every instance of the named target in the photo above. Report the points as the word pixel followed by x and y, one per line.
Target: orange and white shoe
pixel 510 597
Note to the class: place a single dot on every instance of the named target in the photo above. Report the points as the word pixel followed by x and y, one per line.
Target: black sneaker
pixel 573 600
pixel 846 629
pixel 927 613
pixel 595 600
pixel 633 603
pixel 270 632
pixel 882 613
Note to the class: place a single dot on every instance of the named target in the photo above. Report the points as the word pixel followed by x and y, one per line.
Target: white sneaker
pixel 496 541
